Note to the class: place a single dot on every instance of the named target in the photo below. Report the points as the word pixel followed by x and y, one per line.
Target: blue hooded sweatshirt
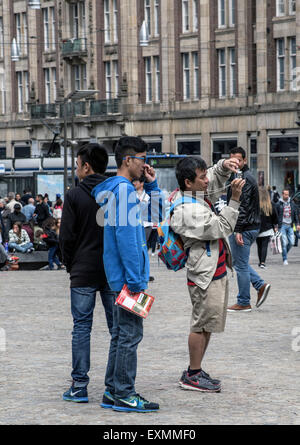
pixel 125 253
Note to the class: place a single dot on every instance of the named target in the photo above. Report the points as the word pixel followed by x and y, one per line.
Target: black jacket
pixel 294 213
pixel 268 222
pixel 81 239
pixel 14 217
pixel 52 238
pixel 249 217
pixel 42 213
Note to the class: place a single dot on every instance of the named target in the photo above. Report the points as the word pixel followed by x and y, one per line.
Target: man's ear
pixel 187 183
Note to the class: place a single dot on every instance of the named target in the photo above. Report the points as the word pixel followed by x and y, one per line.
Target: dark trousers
pixel 262 248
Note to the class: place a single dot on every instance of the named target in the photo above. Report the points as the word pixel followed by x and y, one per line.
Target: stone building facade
pixel 215 74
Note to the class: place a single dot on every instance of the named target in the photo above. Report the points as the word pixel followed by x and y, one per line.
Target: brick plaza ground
pixel 257 357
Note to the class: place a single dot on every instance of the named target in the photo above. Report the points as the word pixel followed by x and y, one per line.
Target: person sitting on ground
pixel 19 239
pixel 39 243
pixel 52 241
pixel 15 216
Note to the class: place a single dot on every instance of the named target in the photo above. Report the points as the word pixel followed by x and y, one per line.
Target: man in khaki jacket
pixel 204 236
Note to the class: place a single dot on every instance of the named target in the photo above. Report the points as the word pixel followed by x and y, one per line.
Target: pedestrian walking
pixel 51 239
pixel 245 233
pixel 287 217
pixel 126 262
pixel 204 234
pixel 41 210
pixel 81 243
pixel 268 225
pixel 29 209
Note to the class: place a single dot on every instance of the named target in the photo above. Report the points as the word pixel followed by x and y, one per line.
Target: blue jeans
pixel 83 301
pixel 121 369
pixel 287 239
pixel 245 273
pixel 52 257
pixel 19 248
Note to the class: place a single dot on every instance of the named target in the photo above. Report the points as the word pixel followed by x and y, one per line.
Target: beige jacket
pixel 196 223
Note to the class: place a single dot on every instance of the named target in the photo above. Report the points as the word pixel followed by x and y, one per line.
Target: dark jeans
pixel 262 248
pixel 83 301
pixel 121 369
pixel 151 244
pixel 52 257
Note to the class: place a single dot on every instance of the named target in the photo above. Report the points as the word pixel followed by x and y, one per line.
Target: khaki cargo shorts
pixel 209 306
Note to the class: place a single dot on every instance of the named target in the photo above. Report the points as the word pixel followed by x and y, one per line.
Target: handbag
pixel 275 243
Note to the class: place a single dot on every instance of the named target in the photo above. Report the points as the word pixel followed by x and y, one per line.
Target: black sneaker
pixel 198 383
pixel 78 395
pixel 135 403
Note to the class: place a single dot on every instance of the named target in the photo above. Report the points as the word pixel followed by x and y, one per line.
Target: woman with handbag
pixel 268 225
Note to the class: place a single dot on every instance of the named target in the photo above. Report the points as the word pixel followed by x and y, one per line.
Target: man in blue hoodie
pixel 126 261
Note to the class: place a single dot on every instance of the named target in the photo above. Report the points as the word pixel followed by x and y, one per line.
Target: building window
pixel 106 21
pixel 79 77
pixel 280 8
pixel 108 88
pixel 196 75
pixel 232 12
pixel 195 15
pixel 186 76
pixel 2 92
pixel 157 78
pixel 78 22
pixel 148 74
pixel 116 77
pixel 111 14
pixel 293 64
pixel 189 147
pixel 115 8
pixel 222 72
pixel 148 15
pixel 280 64
pixel 156 17
pixel 284 162
pixel 1 38
pixel 185 16
pixel 50 85
pixel 221 13
pixel 23 90
pixel 292 7
pixel 22 33
pixel 233 80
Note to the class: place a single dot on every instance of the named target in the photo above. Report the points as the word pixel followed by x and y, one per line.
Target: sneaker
pixel 151 278
pixel 198 383
pixel 285 263
pixel 204 375
pixel 79 395
pixel 262 266
pixel 135 403
pixel 108 400
pixel 239 308
pixel 262 294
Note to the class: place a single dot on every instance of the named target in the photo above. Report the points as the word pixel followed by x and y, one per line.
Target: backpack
pixel 171 251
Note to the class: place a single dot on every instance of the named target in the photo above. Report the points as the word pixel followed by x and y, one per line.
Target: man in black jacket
pixel 15 216
pixel 41 210
pixel 81 242
pixel 245 233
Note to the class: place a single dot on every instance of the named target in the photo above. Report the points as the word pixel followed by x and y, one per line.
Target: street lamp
pixel 73 97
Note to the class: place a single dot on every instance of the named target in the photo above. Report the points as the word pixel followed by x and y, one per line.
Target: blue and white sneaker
pixel 108 400
pixel 135 403
pixel 79 395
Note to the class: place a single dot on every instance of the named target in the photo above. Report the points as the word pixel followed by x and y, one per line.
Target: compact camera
pixel 239 174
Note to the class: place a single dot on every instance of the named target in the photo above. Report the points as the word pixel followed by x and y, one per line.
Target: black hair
pixel 239 150
pixel 186 169
pixel 129 145
pixel 95 155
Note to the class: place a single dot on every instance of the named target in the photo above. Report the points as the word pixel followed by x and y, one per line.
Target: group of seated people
pixel 26 236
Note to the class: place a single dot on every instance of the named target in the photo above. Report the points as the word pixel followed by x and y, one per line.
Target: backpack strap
pixel 183 200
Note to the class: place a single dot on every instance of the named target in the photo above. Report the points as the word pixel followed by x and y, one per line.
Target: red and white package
pixel 138 303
